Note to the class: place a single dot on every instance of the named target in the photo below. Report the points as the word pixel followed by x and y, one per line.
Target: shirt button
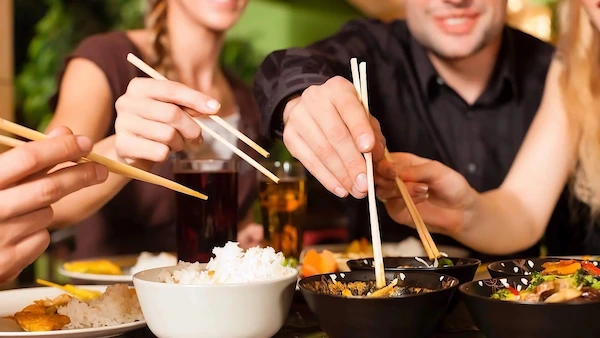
pixel 440 81
pixel 471 168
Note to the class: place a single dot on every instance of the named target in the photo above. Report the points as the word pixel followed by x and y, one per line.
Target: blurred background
pixel 35 35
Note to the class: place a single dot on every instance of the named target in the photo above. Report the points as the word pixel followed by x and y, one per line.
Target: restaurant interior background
pixel 36 34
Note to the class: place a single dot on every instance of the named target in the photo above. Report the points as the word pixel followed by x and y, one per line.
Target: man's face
pixel 455 29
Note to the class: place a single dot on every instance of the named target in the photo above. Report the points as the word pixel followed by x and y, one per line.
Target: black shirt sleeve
pixel 285 73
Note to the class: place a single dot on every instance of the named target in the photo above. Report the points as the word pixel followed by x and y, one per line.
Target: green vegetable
pixel 444 262
pixel 537 278
pixel 501 294
pixel 290 262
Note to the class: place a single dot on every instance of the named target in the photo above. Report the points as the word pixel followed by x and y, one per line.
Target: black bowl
pixel 522 267
pixel 464 268
pixel 500 319
pixel 406 316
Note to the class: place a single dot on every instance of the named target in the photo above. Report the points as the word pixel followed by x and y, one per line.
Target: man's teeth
pixel 455 21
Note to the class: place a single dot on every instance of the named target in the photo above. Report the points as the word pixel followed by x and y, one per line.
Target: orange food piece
pixel 564 267
pixel 317 263
pixel 328 262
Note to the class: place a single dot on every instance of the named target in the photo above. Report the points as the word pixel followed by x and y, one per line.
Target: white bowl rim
pixel 136 278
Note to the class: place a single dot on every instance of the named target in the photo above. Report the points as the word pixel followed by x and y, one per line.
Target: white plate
pixel 12 301
pixel 125 262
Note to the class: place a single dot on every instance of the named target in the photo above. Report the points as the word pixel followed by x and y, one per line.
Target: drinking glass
pixel 283 207
pixel 203 225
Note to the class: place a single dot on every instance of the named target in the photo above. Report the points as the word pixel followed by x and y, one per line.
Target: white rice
pixel 118 305
pixel 147 261
pixel 231 265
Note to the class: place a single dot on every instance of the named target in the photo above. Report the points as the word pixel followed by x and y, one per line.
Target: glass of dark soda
pixel 203 225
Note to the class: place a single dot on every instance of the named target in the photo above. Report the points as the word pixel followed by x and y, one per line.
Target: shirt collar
pixel 503 77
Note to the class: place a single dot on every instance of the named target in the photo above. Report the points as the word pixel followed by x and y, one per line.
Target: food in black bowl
pixel 348 305
pixel 527 266
pixel 538 305
pixel 462 268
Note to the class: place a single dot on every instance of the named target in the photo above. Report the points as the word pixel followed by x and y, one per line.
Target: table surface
pixel 302 323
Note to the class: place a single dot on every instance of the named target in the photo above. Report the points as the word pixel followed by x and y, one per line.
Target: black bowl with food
pixel 535 306
pixel 462 268
pixel 413 307
pixel 527 266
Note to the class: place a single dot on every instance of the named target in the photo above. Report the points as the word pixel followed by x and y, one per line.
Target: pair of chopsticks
pixel 144 67
pixel 113 166
pixel 424 235
pixel 360 83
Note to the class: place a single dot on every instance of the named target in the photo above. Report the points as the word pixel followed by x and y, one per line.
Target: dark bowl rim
pixel 473 262
pixel 490 267
pixel 438 275
pixel 463 286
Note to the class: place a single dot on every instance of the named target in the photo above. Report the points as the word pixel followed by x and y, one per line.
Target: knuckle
pixel 28 158
pixel 121 105
pixel 339 133
pixel 311 92
pixel 324 151
pixel 161 154
pixel 337 81
pixel 50 190
pixel 134 85
pixel 171 113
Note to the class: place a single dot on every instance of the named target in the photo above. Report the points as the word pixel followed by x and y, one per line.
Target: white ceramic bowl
pixel 252 310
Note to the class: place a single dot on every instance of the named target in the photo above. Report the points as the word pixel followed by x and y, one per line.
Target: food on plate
pixel 99 267
pixel 79 293
pixel 315 263
pixel 147 261
pixel 231 265
pixel 117 305
pixel 560 281
pixel 363 289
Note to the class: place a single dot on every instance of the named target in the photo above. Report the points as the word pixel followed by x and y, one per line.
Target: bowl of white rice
pixel 238 294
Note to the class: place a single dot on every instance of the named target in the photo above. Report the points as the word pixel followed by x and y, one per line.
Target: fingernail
pixel 340 192
pixel 422 188
pixel 364 142
pixel 101 173
pixel 213 105
pixel 84 143
pixel 361 183
pixel 358 194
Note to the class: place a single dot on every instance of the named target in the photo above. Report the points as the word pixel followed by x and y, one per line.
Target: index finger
pixel 346 101
pixel 176 93
pixel 32 157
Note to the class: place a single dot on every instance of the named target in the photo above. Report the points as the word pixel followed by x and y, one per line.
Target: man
pixel 451 83
pixel 27 192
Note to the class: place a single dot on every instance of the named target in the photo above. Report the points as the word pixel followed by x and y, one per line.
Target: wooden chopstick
pixel 424 235
pixel 113 166
pixel 360 83
pixel 144 67
pixel 134 60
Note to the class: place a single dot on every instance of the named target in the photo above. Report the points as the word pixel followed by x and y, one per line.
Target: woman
pixel 563 143
pixel 182 40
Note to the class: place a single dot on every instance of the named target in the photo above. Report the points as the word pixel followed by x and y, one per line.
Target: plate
pixel 125 262
pixel 15 300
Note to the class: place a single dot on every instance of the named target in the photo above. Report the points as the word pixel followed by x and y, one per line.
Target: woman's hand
pixel 442 195
pixel 151 123
pixel 28 190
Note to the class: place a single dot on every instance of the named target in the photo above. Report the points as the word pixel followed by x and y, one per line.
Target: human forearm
pixel 498 223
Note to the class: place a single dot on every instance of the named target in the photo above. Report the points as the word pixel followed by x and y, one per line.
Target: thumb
pixel 59 131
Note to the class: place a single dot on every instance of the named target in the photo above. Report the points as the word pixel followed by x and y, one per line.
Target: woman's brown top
pixel 141 217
